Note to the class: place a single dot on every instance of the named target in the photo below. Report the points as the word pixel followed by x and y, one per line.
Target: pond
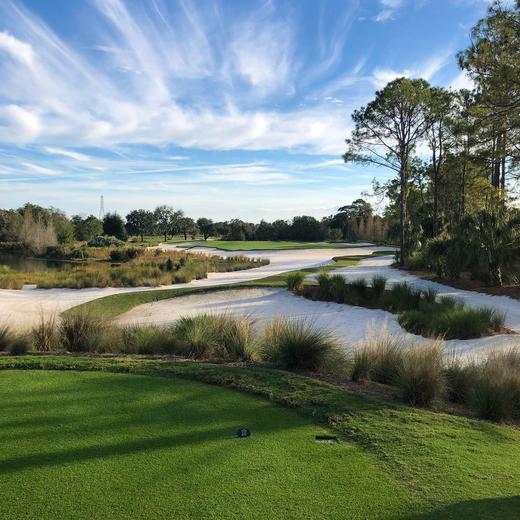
pixel 31 265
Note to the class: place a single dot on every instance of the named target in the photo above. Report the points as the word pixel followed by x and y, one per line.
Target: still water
pixel 31 265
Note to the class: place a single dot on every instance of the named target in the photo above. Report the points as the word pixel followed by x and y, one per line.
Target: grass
pixel 418 310
pixel 110 446
pixel 266 245
pixel 148 268
pixel 112 306
pixel 298 345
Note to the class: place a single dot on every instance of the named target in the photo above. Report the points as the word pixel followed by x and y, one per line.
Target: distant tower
pixel 102 208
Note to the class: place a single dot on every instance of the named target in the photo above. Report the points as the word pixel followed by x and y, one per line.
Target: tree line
pixel 455 155
pixel 37 227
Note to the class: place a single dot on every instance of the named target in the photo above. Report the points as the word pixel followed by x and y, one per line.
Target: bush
pixel 105 241
pixel 420 375
pixel 80 332
pixel 297 345
pixel 44 335
pixel 125 255
pixel 451 321
pixel 19 346
pixel 295 281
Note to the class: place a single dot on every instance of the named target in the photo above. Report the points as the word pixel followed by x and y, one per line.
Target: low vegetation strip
pixel 265 245
pixel 117 304
pixel 419 311
pixel 419 374
pixel 135 267
pixel 428 451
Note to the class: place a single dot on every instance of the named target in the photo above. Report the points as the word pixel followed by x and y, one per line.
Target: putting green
pixel 102 445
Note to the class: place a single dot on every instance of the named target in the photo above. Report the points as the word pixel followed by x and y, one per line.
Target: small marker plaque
pixel 243 432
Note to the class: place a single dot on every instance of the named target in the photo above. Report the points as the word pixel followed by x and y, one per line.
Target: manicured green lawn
pixel 102 445
pixel 259 245
pixel 77 442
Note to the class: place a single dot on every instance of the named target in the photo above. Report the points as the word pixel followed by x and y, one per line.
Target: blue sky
pixel 224 109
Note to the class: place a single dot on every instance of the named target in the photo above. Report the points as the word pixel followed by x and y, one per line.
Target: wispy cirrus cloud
pixel 388 10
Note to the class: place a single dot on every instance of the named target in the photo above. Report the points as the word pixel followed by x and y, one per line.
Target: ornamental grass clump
pixel 297 345
pixel 496 391
pixel 420 376
pixel 80 332
pixel 44 334
pixel 295 281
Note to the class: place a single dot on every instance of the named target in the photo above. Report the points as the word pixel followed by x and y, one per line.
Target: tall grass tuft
pixel 146 339
pixel 297 345
pixel 19 345
pixel 80 332
pixel 215 336
pixel 378 287
pixel 361 364
pixel 324 284
pixel 6 337
pixel 295 281
pixel 496 393
pixel 43 335
pixel 338 288
pixel 420 376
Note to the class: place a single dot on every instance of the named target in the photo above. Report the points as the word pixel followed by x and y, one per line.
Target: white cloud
pixel 20 51
pixel 39 169
pixel 462 80
pixel 18 124
pixel 426 70
pixel 389 8
pixel 67 98
pixel 67 153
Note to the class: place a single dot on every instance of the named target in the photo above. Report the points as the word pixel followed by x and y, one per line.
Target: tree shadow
pixel 485 509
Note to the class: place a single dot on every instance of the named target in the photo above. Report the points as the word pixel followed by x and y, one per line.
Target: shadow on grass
pixel 485 509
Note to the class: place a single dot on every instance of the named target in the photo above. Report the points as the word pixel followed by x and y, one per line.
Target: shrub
pixel 420 375
pixel 80 332
pixel 378 287
pixel 44 334
pixel 19 346
pixel 295 281
pixel 105 241
pixel 125 255
pixel 297 345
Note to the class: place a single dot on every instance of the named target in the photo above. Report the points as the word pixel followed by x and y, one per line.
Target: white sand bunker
pixel 350 324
